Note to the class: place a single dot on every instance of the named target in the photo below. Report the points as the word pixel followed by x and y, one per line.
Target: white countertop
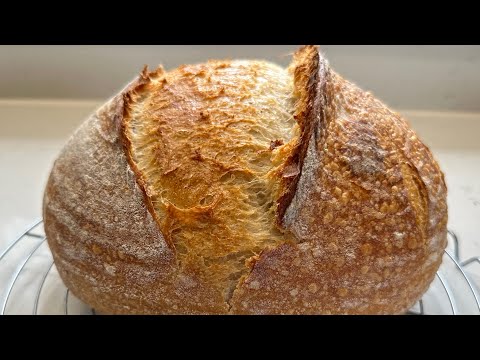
pixel 32 133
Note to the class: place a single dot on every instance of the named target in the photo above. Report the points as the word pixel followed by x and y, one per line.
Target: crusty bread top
pixel 223 162
pixel 368 214
pixel 207 142
pixel 241 187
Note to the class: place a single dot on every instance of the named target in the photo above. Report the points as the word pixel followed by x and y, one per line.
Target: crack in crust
pixel 213 139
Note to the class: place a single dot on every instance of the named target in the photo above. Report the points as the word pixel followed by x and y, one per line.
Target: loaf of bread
pixel 240 187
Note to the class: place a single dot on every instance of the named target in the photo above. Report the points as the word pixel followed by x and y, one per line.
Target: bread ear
pixel 311 75
pixel 305 71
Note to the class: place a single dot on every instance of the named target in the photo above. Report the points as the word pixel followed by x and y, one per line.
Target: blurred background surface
pixel 406 77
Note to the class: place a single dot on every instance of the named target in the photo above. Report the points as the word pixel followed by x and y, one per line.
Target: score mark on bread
pixel 215 129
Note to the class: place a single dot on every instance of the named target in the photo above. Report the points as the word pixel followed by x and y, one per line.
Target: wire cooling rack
pixel 30 284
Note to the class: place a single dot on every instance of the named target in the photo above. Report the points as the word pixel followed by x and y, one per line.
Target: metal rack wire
pixel 444 296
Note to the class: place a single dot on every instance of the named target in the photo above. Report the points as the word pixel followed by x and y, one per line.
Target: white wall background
pixel 406 77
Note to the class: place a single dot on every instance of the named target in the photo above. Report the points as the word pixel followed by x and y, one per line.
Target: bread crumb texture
pixel 242 187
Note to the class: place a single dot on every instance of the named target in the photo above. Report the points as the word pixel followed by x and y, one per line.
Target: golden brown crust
pixel 217 138
pixel 144 79
pixel 369 215
pixel 106 244
pixel 360 201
